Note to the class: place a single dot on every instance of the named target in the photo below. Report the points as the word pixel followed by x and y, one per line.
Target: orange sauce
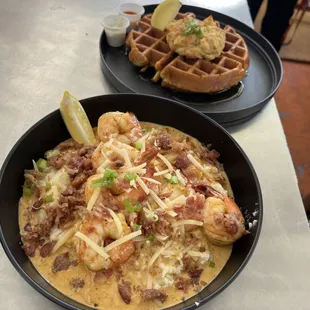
pixel 130 12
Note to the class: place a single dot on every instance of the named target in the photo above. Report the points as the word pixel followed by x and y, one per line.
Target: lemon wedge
pixel 164 13
pixel 76 120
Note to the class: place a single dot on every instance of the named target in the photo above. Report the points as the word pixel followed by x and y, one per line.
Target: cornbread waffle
pixel 149 48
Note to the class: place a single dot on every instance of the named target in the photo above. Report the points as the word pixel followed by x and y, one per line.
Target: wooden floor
pixel 293 101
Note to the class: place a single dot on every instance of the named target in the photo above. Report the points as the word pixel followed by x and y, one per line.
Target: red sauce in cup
pixel 130 12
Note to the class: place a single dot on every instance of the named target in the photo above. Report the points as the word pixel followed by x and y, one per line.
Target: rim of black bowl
pixel 62 303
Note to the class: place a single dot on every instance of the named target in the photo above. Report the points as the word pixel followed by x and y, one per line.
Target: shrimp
pixel 223 220
pixel 122 126
pixel 98 230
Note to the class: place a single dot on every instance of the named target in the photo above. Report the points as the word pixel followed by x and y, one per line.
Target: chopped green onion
pixel 41 164
pixel 150 238
pixel 27 191
pixel 192 28
pixel 173 180
pixel 132 208
pixel 48 198
pixel 50 153
pixel 107 180
pixel 212 264
pixel 136 227
pixel 138 145
pixel 130 176
pixel 48 186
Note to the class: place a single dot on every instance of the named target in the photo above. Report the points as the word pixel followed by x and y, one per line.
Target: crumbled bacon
pixel 124 290
pixel 63 262
pixel 47 248
pixel 153 294
pixel 195 275
pixel 193 208
pixel 148 155
pixel 107 273
pixel 164 141
pixel 182 162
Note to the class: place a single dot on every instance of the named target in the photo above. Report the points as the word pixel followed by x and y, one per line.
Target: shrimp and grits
pixel 143 219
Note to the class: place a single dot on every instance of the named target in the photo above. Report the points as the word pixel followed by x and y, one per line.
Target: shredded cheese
pixel 117 221
pixel 123 153
pixel 187 248
pixel 157 199
pixel 187 222
pixel 102 167
pixel 138 169
pixel 151 180
pixel 122 240
pixel 166 161
pixel 35 167
pixel 158 253
pixel 180 177
pixel 172 213
pixel 156 174
pixel 67 235
pixel 149 281
pixel 196 253
pixel 143 185
pixel 205 170
pixel 93 198
pixel 92 244
pixel 179 200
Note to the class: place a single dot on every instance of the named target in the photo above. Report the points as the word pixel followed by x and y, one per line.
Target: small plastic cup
pixel 115 27
pixel 133 12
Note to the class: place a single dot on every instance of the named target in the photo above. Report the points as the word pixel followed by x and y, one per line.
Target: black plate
pixel 50 131
pixel 239 102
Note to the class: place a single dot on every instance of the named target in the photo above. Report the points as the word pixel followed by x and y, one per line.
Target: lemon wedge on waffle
pixel 76 120
pixel 164 13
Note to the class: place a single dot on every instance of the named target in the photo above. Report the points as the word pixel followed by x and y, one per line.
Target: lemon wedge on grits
pixel 164 13
pixel 76 120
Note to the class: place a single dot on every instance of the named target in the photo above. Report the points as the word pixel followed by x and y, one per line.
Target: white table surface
pixel 50 46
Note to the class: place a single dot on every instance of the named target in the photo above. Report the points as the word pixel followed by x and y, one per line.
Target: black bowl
pixel 50 131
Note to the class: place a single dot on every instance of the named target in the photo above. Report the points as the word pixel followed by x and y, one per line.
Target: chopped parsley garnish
pixel 107 180
pixel 136 227
pixel 134 206
pixel 48 198
pixel 150 238
pixel 28 190
pixel 41 164
pixel 192 28
pixel 211 264
pixel 48 186
pixel 130 176
pixel 138 145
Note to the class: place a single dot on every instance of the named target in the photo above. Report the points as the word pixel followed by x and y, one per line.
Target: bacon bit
pixel 182 162
pixel 195 275
pixel 148 155
pixel 183 284
pixel 152 294
pixel 193 208
pixel 37 205
pixel 47 248
pixel 28 227
pixel 77 283
pixel 124 290
pixel 107 273
pixel 164 141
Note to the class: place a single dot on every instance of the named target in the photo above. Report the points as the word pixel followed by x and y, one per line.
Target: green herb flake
pixel 41 164
pixel 132 206
pixel 192 28
pixel 50 153
pixel 27 191
pixel 130 176
pixel 138 145
pixel 211 264
pixel 48 186
pixel 48 198
pixel 136 227
pixel 107 180
pixel 173 180
pixel 150 238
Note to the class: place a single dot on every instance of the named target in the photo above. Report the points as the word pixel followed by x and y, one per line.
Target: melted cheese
pixel 99 250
